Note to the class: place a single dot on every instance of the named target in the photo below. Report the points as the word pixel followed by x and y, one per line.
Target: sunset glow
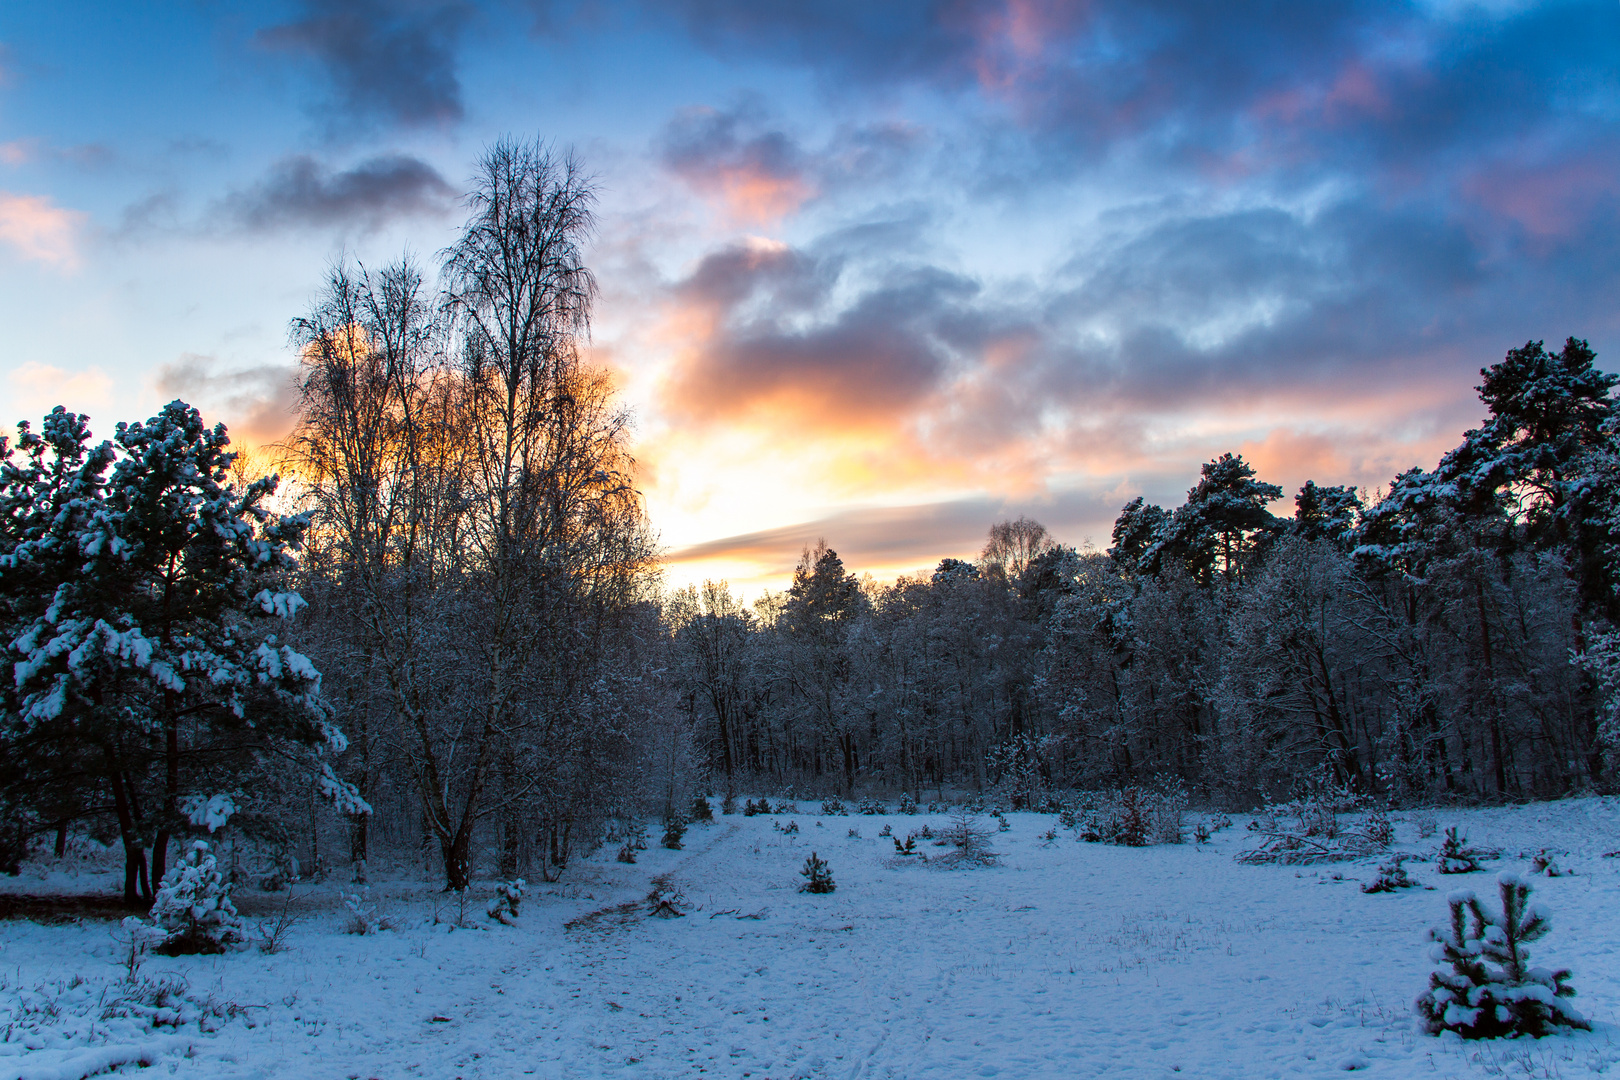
pixel 881 274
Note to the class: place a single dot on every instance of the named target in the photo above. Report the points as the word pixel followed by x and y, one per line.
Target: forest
pixel 432 623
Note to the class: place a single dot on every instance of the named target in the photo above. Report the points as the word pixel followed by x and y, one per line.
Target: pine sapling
pixel 1455 855
pixel 193 906
pixel 674 829
pixel 1486 987
pixel 508 898
pixel 1392 875
pixel 818 877
pixel 627 853
pixel 701 810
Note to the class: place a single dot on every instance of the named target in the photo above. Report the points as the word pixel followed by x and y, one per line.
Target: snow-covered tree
pixel 193 906
pixel 142 607
pixel 1485 986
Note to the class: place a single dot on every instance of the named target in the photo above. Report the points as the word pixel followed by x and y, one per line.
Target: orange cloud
pixel 36 389
pixel 40 231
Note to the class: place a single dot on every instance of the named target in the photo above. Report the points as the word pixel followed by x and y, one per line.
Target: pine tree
pixel 193 906
pixel 701 810
pixel 1487 988
pixel 818 877
pixel 674 829
pixel 136 612
pixel 1455 856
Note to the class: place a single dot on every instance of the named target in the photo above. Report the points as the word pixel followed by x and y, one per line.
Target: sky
pixel 880 273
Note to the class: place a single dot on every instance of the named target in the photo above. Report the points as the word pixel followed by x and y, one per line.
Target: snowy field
pixel 1068 960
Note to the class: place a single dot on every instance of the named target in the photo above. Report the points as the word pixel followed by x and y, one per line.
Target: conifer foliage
pixel 194 908
pixel 1486 987
pixel 817 875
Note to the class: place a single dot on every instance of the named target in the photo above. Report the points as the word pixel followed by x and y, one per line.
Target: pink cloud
pixel 40 231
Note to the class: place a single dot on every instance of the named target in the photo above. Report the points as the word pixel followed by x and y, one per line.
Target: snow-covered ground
pixel 1068 960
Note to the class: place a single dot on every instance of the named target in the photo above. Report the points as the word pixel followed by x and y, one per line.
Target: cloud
pixel 300 192
pixel 19 152
pixel 40 231
pixel 35 389
pixel 258 403
pixel 766 338
pixel 897 539
pixel 759 176
pixel 747 162
pixel 390 60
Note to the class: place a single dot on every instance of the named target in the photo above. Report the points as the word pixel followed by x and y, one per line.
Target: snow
pixel 1066 960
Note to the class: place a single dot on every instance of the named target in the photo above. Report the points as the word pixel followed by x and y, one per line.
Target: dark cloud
pixel 300 192
pixel 390 60
pixel 775 341
pixel 256 403
pixel 1406 94
pixel 744 157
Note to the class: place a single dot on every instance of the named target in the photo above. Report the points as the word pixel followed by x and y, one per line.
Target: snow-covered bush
pixel 1134 816
pixel 908 805
pixel 508 898
pixel 1485 987
pixel 971 842
pixel 1545 862
pixel 833 807
pixel 1392 875
pixel 627 853
pixel 193 906
pixel 363 917
pixel 1456 857
pixel 701 810
pixel 871 806
pixel 674 829
pixel 818 876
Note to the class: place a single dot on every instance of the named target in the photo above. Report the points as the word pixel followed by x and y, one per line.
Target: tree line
pixel 1452 637
pixel 444 636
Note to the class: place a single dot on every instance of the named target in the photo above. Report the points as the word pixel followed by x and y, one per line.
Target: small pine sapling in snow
pixel 818 877
pixel 1455 855
pixel 627 853
pixel 854 834
pixel 1485 987
pixel 908 805
pixel 363 917
pixel 1068 819
pixel 833 807
pixel 871 807
pixel 1200 833
pixel 674 829
pixel 886 831
pixel 1391 876
pixel 638 834
pixel 971 842
pixel 508 898
pixel 728 805
pixel 1544 862
pixel 908 848
pixel 1002 824
pixel 701 810
pixel 1049 837
pixel 1378 829
pixel 193 906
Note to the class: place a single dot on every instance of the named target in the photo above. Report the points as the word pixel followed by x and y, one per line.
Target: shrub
pixel 833 807
pixel 818 877
pixel 508 898
pixel 701 810
pixel 1392 875
pixel 363 918
pixel 871 806
pixel 674 829
pixel 908 805
pixel 887 830
pixel 627 854
pixel 728 805
pixel 1486 988
pixel 193 906
pixel 1456 857
pixel 970 841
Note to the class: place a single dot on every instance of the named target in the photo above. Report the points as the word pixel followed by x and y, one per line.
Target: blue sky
pixel 882 273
